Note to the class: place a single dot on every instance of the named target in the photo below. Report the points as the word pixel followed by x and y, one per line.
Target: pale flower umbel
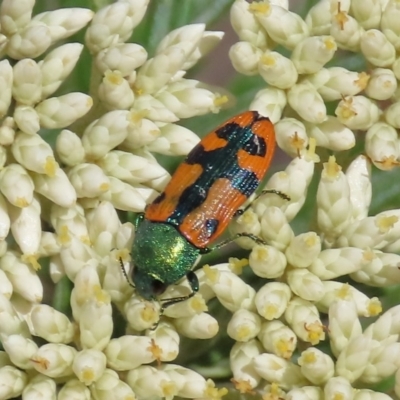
pixel 64 206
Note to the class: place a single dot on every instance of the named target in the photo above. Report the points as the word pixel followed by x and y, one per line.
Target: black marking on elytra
pixel 220 163
pixel 159 198
pixel 211 225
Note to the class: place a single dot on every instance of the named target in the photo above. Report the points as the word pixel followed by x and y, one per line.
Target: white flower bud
pixel 377 49
pixel 247 27
pixel 283 26
pixel 333 201
pixel 367 13
pixel 336 82
pixel 27 119
pixel 16 185
pixel 23 277
pixel 303 250
pixel 107 132
pixel 292 182
pixel 382 364
pixel 278 339
pixel 306 392
pixel 187 98
pixel 56 268
pixel 51 325
pixel 26 226
pixel 12 382
pixel 6 84
pixel 303 317
pixel 305 284
pixel 267 262
pixel 338 386
pixel 15 16
pixel 344 324
pixel 64 22
pixel 6 288
pixel 312 53
pixel 382 145
pixel 194 305
pixel 165 342
pixel 69 221
pixel 54 360
pixel 89 365
pixel 307 102
pixel 244 325
pixel 122 57
pixel 373 232
pixel 391 115
pixel 241 360
pixel 156 72
pixel 379 269
pixel 318 18
pixel 269 103
pixel 114 91
pixel 335 291
pixel 208 41
pixel 32 152
pixel 88 180
pixel 59 112
pixel 31 42
pixel 109 386
pixel 291 136
pixel 129 352
pixel 245 57
pixel 277 70
pixel 140 314
pixel 272 299
pixel 354 358
pixel 125 197
pixel 358 174
pixel 174 140
pixel 21 350
pixel 153 109
pixel 27 81
pixel 389 26
pixel 75 255
pixel 190 383
pixel 74 389
pixel 316 366
pixel 346 31
pixel 56 188
pixel 69 148
pixel 112 24
pixel 198 326
pixel 247 222
pixel 131 168
pixel 40 386
pixel 332 134
pixel 382 84
pixel 148 381
pixel 231 291
pixel 332 263
pixel 58 64
pixel 277 370
pixel 96 323
pixel 10 322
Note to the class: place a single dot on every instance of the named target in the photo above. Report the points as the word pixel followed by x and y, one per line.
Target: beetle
pixel 203 195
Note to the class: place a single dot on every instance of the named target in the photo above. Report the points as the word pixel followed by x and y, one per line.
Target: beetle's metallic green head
pixel 161 257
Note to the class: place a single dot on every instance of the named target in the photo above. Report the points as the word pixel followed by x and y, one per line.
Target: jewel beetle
pixel 203 195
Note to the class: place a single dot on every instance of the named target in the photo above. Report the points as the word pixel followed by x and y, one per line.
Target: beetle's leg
pixel 277 192
pixel 255 238
pixel 138 220
pixel 194 285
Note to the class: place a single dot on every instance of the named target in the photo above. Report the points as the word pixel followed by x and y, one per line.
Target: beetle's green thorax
pixel 161 257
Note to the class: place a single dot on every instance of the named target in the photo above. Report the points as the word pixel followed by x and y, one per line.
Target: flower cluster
pixel 61 204
pixel 346 242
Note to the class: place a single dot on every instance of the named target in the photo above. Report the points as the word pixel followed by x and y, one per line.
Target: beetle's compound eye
pixel 158 287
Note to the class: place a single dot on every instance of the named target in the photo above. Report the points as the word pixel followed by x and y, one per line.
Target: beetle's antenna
pixel 124 272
